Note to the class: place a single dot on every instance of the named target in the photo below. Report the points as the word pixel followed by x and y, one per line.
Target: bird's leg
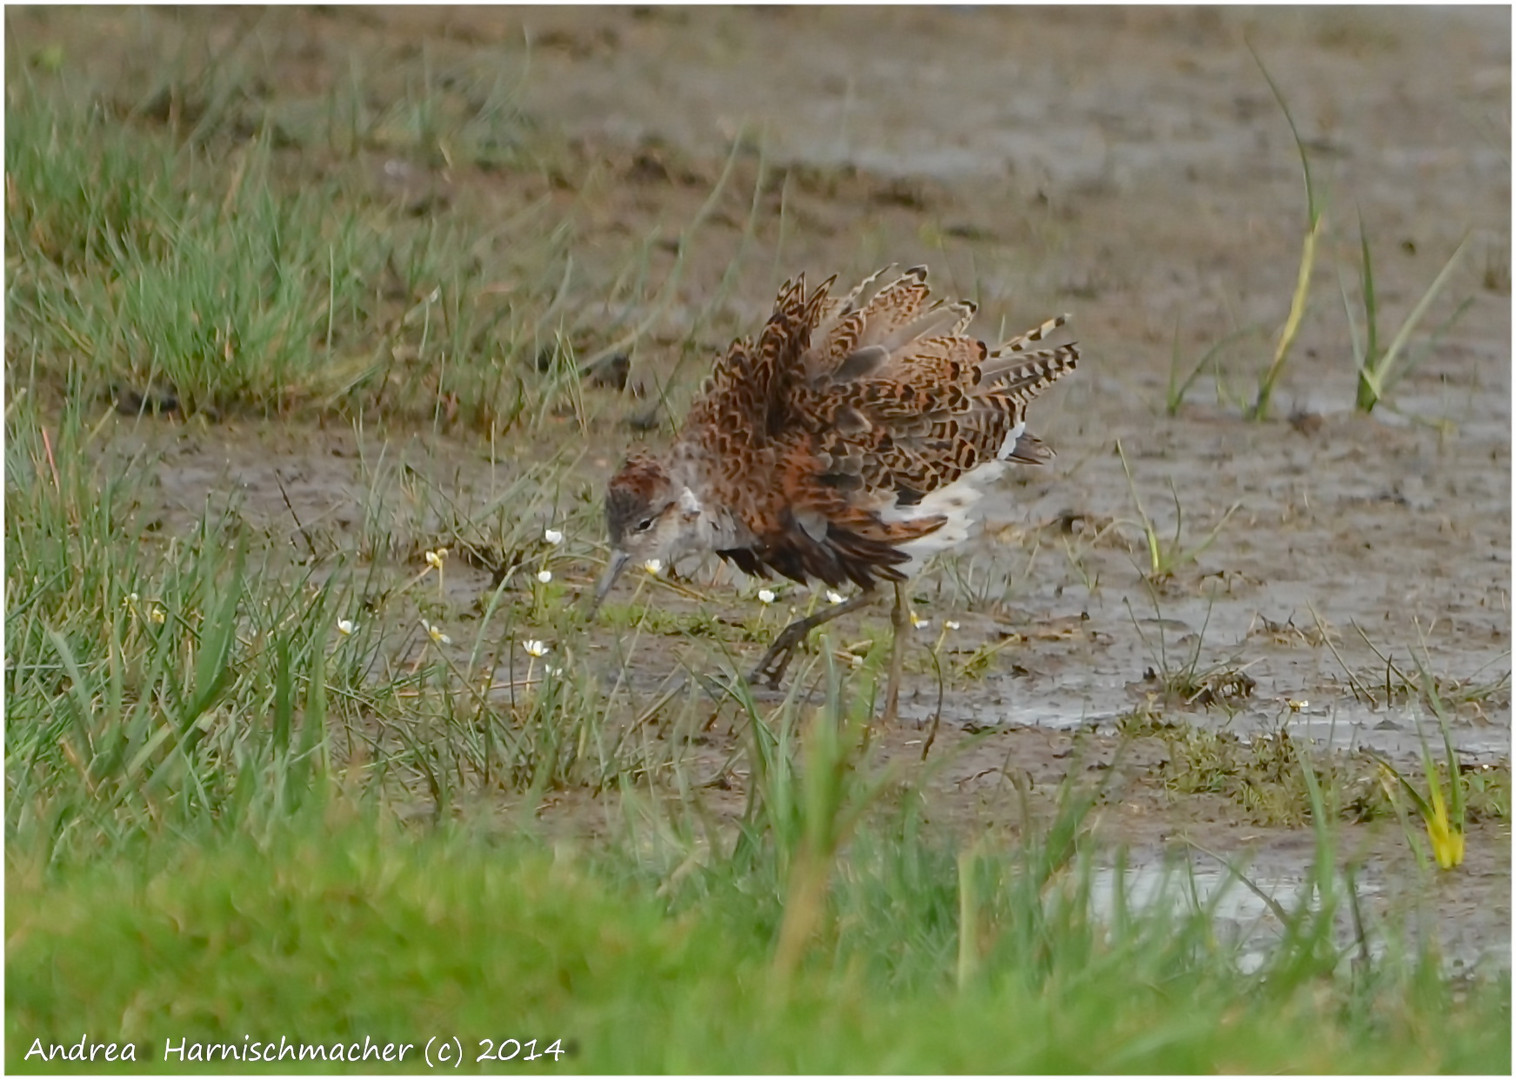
pixel 771 667
pixel 900 620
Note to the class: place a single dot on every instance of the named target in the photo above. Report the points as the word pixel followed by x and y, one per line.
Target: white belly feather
pixel 956 502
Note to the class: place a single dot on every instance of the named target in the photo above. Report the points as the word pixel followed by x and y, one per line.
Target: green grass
pixel 1268 379
pixel 220 275
pixel 335 929
pixel 1380 366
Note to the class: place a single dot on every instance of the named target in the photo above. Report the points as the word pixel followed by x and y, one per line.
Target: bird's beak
pixel 613 569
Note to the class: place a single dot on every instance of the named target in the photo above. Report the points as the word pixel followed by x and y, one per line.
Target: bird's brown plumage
pixel 807 441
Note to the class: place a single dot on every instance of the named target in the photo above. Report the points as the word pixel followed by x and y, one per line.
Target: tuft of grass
pixel 1444 816
pixel 1165 557
pixel 1178 387
pixel 1423 685
pixel 1225 684
pixel 1298 301
pixel 1264 775
pixel 1381 366
pixel 224 275
pixel 208 676
pixel 149 683
pixel 131 282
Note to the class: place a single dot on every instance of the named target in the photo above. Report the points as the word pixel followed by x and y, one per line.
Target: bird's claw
pixel 771 668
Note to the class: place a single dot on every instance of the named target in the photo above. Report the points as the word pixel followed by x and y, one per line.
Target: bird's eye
pixel 644 525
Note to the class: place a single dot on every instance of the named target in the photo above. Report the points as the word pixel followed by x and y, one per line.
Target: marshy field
pixel 324 329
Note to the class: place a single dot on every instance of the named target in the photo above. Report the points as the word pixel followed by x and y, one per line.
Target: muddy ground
pixel 1127 165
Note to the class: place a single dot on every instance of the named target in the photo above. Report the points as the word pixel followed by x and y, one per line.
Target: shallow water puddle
pixel 1254 929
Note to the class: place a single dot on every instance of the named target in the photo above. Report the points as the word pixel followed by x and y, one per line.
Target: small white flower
pixel 833 596
pixel 346 627
pixel 951 624
pixel 919 623
pixel 434 558
pixel 653 566
pixel 553 536
pixel 855 659
pixel 131 599
pixel 766 595
pixel 549 669
pixel 544 576
pixel 436 634
pixel 534 647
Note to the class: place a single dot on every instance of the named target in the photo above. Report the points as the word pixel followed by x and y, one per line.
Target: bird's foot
pixel 772 667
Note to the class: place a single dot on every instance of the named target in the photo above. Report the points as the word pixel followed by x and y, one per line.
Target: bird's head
pixel 649 517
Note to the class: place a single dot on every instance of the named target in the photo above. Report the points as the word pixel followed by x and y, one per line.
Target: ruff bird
pixel 848 443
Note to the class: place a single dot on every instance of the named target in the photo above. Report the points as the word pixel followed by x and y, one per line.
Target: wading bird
pixel 849 442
